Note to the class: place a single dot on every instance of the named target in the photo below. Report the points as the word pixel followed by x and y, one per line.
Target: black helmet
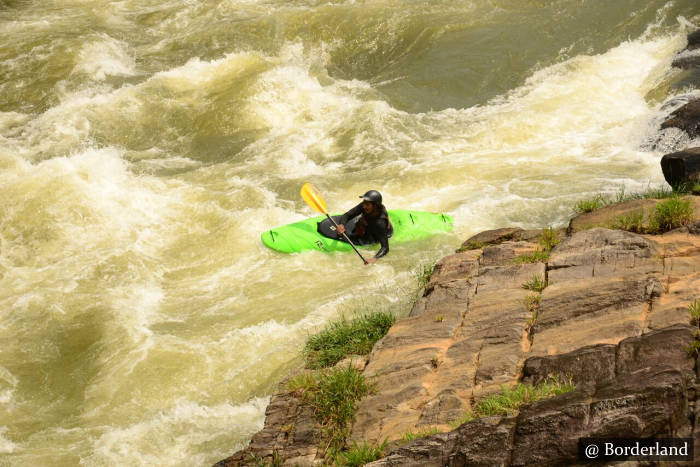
pixel 373 196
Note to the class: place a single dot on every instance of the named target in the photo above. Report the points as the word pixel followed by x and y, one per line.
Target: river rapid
pixel 146 144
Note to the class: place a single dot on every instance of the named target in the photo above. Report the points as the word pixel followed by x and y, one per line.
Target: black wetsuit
pixel 369 229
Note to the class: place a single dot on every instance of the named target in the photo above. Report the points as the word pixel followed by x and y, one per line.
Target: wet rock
pixel 682 167
pixel 687 118
pixel 690 56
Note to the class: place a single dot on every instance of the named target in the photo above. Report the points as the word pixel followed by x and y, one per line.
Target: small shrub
pixel 532 305
pixel 423 273
pixel 435 361
pixel 334 395
pixel 439 318
pixel 532 302
pixel 548 239
pixel 342 338
pixel 670 214
pixel 694 348
pixel 536 284
pixel 410 435
pixel 695 189
pixel 694 309
pixel 361 454
pixel 632 223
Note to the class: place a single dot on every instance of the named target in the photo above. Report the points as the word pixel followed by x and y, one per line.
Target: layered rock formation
pixel 613 317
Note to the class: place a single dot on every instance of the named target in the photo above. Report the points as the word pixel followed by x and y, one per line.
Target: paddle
pixel 313 198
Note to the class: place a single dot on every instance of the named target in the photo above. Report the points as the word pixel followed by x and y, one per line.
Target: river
pixel 146 144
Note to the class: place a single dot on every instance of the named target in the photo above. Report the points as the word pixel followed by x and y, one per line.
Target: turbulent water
pixel 146 144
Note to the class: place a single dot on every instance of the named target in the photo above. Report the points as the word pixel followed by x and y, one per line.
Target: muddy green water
pixel 146 144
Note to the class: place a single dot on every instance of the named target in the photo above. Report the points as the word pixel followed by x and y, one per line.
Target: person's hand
pixel 370 261
pixel 341 229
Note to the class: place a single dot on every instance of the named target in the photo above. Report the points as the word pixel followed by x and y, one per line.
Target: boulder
pixel 690 56
pixel 687 118
pixel 682 166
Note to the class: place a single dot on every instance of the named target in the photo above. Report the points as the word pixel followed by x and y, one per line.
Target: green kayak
pixel 317 232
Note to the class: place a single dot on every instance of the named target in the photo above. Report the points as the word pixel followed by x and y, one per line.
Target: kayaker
pixel 372 226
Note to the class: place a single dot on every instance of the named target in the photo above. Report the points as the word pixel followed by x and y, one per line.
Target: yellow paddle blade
pixel 313 198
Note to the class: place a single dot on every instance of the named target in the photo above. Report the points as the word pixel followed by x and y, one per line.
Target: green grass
pixel 302 382
pixel 334 395
pixel 670 214
pixel 590 204
pixel 342 338
pixel 423 273
pixel 694 309
pixel 411 435
pixel 601 200
pixel 695 189
pixel 361 454
pixel 548 239
pixel 510 400
pixel 536 284
pixel 470 246
pixel 532 305
pixel 466 418
pixel 539 256
pixel 631 223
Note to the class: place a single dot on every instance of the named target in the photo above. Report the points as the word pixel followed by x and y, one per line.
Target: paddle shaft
pixel 348 239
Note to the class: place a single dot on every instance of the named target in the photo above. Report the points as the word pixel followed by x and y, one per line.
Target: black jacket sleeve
pixel 351 214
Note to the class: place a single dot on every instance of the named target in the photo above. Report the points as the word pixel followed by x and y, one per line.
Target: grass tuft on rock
pixel 539 256
pixel 343 338
pixel 422 433
pixel 513 398
pixel 601 200
pixel 361 454
pixel 694 309
pixel 423 273
pixel 536 284
pixel 632 223
pixel 334 395
pixel 548 240
pixel 471 246
pixel 671 214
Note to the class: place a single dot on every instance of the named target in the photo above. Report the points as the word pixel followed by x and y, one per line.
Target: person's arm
pixel 351 214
